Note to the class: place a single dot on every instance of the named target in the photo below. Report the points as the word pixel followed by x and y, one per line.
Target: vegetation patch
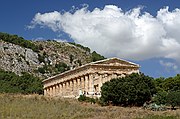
pixel 25 84
pixel 132 90
pixel 83 98
pixel 40 107
pixel 168 91
pixel 18 41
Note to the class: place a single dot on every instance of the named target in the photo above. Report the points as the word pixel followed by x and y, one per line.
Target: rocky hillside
pixel 42 58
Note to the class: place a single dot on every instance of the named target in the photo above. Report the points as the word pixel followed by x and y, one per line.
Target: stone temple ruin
pixel 88 79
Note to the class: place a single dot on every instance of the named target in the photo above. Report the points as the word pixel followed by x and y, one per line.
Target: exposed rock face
pixel 19 59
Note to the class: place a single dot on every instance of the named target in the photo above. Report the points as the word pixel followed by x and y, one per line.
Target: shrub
pixel 41 70
pixel 83 98
pixel 61 67
pixel 134 89
pixel 41 58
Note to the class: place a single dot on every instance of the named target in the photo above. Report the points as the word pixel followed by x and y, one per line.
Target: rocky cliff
pixel 52 57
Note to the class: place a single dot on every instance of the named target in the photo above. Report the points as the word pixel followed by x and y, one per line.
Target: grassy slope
pixel 40 107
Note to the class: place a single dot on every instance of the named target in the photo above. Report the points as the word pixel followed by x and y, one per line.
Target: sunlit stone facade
pixel 88 78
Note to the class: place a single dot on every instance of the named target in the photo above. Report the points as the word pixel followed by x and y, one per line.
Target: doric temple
pixel 88 79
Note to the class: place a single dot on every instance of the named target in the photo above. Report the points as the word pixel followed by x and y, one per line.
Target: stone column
pixel 60 89
pixel 100 82
pixel 106 78
pixel 45 91
pixel 70 87
pixel 64 89
pixel 75 87
pixel 82 84
pixel 54 90
pixel 91 84
pixel 86 84
pixel 57 90
pixel 50 90
pixel 67 88
pixel 79 86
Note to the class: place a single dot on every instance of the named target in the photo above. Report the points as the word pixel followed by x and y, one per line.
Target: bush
pixel 61 67
pixel 26 84
pixel 132 90
pixel 41 58
pixel 41 70
pixel 83 98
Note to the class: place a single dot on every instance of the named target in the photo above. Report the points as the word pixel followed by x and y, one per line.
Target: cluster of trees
pixel 168 90
pixel 96 56
pixel 19 41
pixel 136 89
pixel 25 84
pixel 58 68
pixel 62 67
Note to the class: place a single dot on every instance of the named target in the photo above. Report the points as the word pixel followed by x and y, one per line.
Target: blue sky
pixel 142 31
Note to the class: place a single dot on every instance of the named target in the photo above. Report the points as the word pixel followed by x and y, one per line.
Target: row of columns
pixel 70 88
pixel 89 84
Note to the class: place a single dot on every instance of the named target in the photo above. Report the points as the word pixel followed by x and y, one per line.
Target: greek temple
pixel 87 79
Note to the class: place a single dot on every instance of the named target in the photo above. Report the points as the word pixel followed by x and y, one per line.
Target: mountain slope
pixel 42 58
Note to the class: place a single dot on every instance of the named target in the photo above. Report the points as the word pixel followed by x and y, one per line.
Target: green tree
pixel 172 83
pixel 134 89
pixel 159 83
pixel 96 56
pixel 167 90
pixel 61 67
pixel 173 99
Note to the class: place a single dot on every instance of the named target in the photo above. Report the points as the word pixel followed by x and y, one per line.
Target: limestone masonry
pixel 88 78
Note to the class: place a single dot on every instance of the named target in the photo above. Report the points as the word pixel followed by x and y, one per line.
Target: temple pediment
pixel 115 62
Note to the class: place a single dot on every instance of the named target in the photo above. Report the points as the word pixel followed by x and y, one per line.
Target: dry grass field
pixel 40 107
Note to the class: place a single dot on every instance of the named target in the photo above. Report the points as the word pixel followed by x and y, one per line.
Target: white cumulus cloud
pixel 169 65
pixel 113 32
